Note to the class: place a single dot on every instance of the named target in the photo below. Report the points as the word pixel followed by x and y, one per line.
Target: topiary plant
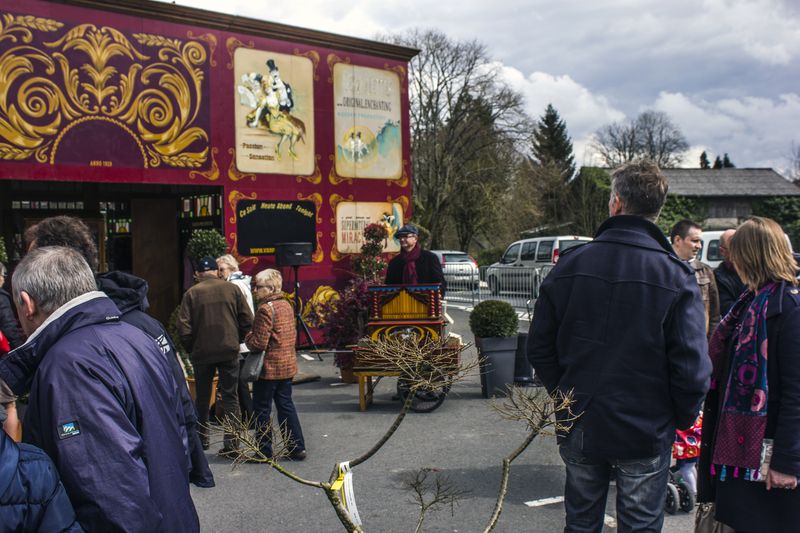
pixel 206 243
pixel 3 254
pixel 494 318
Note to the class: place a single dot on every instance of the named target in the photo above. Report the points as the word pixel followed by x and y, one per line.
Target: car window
pixel 511 255
pixel 713 253
pixel 545 252
pixel 456 258
pixel 571 243
pixel 528 251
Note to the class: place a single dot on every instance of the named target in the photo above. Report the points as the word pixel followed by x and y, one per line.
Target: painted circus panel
pixel 274 112
pixel 353 217
pixel 367 122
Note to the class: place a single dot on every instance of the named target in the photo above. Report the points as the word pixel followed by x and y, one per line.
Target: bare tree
pixel 652 135
pixel 450 82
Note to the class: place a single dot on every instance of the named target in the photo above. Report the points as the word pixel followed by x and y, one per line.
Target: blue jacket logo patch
pixel 69 429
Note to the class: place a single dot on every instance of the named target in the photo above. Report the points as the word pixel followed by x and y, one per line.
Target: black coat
pixel 620 321
pixel 130 295
pixel 429 270
pixel 747 505
pixel 730 287
pixel 8 321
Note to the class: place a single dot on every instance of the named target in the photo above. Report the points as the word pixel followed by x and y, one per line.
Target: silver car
pixel 460 270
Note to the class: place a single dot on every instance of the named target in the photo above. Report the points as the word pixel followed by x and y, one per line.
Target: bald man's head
pixel 725 242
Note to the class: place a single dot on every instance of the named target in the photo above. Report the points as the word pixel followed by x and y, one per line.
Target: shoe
pixel 298 456
pixel 228 453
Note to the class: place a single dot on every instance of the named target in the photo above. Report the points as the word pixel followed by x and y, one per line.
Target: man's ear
pixel 28 307
pixel 614 206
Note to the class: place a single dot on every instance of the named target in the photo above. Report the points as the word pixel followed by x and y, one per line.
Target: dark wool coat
pixel 8 322
pixel 747 505
pixel 31 496
pixel 730 287
pixel 102 405
pixel 429 270
pixel 620 321
pixel 129 293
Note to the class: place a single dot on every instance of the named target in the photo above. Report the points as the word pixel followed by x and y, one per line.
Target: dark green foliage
pixel 494 318
pixel 785 210
pixel 679 207
pixel 3 254
pixel 552 145
pixel 206 243
pixel 368 264
pixel 588 200
pixel 488 256
pixel 717 163
pixel 704 163
pixel 726 162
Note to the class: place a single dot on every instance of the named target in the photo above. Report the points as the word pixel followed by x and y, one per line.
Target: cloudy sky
pixel 726 71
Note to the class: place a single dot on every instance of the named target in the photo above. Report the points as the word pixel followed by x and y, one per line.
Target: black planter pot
pixel 497 366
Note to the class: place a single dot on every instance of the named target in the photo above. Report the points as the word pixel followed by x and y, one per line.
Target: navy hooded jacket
pixel 102 406
pixel 620 322
pixel 31 496
pixel 129 293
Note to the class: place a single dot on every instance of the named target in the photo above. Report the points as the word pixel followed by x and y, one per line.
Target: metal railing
pixel 517 285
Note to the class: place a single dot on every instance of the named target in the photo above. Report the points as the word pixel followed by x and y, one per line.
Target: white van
pixel 710 254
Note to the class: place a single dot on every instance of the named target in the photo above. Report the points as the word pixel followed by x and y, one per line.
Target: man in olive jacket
pixel 212 322
pixel 619 323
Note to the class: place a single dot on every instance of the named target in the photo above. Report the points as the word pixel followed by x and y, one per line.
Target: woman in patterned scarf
pixel 754 401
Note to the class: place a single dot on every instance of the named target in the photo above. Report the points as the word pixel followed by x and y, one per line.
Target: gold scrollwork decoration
pixel 241 259
pixel 233 173
pixel 335 200
pixel 211 39
pixel 402 200
pixel 153 89
pixel 335 178
pixel 400 70
pixel 403 181
pixel 313 55
pixel 232 43
pixel 333 59
pixel 316 177
pixel 317 199
pixel 212 174
pixel 233 197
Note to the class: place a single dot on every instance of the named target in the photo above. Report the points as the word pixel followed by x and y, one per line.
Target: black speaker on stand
pixel 295 255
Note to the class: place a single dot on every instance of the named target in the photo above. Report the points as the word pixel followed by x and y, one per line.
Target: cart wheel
pixel 673 499
pixel 424 401
pixel 687 497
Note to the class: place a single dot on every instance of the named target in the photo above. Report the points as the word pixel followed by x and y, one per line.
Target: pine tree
pixel 718 163
pixel 552 145
pixel 727 163
pixel 704 161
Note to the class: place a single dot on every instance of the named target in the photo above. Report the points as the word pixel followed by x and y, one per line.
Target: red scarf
pixel 410 267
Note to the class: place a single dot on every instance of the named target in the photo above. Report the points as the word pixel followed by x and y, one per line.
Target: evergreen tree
pixel 727 163
pixel 552 146
pixel 704 163
pixel 718 162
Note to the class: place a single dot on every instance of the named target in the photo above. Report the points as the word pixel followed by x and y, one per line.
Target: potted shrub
pixel 495 326
pixel 205 242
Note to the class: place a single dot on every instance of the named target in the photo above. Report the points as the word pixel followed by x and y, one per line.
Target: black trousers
pixel 228 385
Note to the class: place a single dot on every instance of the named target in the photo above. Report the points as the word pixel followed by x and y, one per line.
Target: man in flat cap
pixel 414 265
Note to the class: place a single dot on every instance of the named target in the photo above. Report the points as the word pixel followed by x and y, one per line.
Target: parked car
pixel 517 268
pixel 710 254
pixel 460 270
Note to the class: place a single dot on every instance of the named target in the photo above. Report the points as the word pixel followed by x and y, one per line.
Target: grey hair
pixel 641 187
pixel 52 276
pixel 270 277
pixel 229 260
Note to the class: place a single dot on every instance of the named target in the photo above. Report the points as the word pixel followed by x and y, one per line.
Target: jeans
pixel 228 382
pixel 641 489
pixel 245 399
pixel 279 390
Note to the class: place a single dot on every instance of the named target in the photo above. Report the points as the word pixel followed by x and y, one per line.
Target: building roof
pixel 728 182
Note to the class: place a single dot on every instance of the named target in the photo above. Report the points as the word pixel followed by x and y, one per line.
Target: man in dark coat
pixel 414 265
pixel 32 497
pixel 129 293
pixel 8 322
pixel 102 400
pixel 619 324
pixel 728 281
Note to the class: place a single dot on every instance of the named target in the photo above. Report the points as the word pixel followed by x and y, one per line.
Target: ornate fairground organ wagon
pixel 411 313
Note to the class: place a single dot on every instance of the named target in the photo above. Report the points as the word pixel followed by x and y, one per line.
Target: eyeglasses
pixel 256 287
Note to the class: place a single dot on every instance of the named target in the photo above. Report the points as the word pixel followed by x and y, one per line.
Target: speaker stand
pixel 302 327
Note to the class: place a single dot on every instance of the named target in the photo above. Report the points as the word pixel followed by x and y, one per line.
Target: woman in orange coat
pixel 274 332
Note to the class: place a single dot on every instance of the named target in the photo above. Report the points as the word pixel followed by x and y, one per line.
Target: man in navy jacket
pixel 102 400
pixel 619 322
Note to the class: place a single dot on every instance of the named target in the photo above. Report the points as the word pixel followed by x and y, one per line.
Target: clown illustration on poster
pixel 274 113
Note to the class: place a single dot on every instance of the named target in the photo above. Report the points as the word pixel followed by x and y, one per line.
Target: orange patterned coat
pixel 274 331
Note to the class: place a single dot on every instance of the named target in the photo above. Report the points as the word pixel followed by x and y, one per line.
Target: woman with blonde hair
pixel 274 332
pixel 754 401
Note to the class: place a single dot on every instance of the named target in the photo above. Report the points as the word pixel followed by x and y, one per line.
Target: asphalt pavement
pixel 464 440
